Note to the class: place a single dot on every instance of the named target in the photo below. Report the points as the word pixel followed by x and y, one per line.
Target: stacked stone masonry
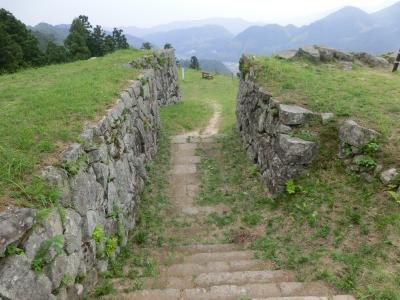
pixel 266 127
pixel 99 181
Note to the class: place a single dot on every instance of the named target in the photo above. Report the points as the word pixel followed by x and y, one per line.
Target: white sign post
pixel 183 73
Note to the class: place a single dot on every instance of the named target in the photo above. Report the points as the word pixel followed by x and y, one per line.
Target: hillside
pixel 43 109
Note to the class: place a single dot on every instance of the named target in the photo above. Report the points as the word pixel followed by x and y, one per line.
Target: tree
pixel 120 41
pixel 147 46
pixel 194 63
pixel 96 42
pixel 18 46
pixel 109 44
pixel 77 40
pixel 168 46
pixel 11 55
pixel 56 54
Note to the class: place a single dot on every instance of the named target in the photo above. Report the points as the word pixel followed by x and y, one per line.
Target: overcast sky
pixel 145 13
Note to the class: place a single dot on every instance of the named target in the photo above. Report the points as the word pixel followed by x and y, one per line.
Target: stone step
pixel 218 278
pixel 208 248
pixel 260 290
pixel 241 277
pixel 192 269
pixel 218 256
pixel 167 294
pixel 288 290
pixel 186 159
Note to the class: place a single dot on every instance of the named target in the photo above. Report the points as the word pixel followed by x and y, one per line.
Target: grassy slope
pixel 42 109
pixel 369 96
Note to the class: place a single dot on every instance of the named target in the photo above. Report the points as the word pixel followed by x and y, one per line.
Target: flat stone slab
pixel 184 169
pixel 186 159
pixel 190 269
pixel 293 114
pixel 241 277
pixel 219 256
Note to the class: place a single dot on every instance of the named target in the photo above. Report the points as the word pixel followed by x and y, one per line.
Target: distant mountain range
pixel 349 29
pixel 233 25
pixel 223 39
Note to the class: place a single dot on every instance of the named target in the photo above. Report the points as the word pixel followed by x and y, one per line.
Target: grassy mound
pixel 43 109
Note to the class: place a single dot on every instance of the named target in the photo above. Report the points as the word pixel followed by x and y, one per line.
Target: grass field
pixel 43 109
pixel 368 96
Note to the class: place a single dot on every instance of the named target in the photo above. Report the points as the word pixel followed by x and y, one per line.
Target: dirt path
pixel 184 184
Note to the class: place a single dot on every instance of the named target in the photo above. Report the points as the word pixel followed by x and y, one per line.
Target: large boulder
pixel 388 176
pixel 371 61
pixel 328 54
pixel 355 135
pixel 310 52
pixel 14 223
pixel 290 54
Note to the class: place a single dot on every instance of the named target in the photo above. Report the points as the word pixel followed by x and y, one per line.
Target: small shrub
pixel 365 161
pixel 370 148
pixel 290 187
pixel 98 234
pixel 13 249
pixel 43 257
pixel 111 245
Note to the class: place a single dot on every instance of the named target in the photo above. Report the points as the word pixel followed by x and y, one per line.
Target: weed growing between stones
pixel 43 256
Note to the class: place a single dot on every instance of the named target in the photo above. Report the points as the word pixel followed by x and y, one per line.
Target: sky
pixel 147 13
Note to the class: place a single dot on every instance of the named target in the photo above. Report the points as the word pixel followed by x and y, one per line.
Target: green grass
pixel 45 108
pixel 369 96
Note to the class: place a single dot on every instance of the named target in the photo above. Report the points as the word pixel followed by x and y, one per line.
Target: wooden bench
pixel 206 75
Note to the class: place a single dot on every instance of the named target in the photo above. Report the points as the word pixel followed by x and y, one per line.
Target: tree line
pixel 19 48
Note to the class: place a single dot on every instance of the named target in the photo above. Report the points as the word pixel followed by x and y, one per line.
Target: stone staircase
pixel 222 271
pixel 205 269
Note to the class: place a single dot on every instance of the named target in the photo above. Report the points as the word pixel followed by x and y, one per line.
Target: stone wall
pixel 273 133
pixel 99 181
pixel 269 131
